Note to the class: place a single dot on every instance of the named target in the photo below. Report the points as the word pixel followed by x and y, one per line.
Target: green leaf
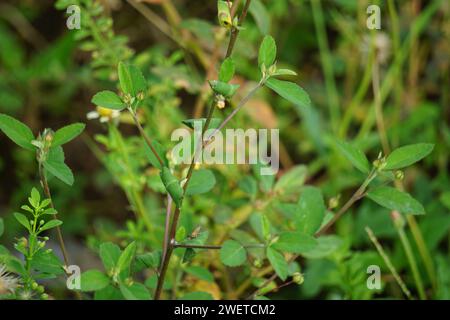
pixel 311 210
pixel 2 227
pixel 356 157
pixel 249 185
pixel 23 220
pixel 284 72
pixel 131 79
pixel 108 99
pixel 48 263
pixel 198 240
pixel 126 257
pixel 45 203
pixel 407 155
pixel 197 295
pixel 51 224
pixel 261 16
pixel 17 131
pixel 227 69
pixel 201 273
pixel 150 259
pixel 35 198
pixel 93 280
pixel 50 211
pixel 290 91
pixel 67 134
pixel 109 253
pixel 291 181
pixel 202 181
pixel 267 52
pixel 232 253
pixel 172 186
pixel 278 262
pixel 266 227
pixel 326 245
pixel 180 234
pixel 394 199
pixel 225 89
pixel 295 242
pixel 110 292
pixel 137 291
pixel 56 166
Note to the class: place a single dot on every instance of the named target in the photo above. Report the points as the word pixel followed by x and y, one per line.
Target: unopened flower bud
pixel 399 175
pixel 129 282
pixel 272 69
pixel 334 202
pixel 141 96
pixel 379 164
pixel 220 101
pixel 257 263
pixel 298 278
pixel 127 99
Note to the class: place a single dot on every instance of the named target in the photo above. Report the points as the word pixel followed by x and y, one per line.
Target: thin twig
pixel 145 136
pixel 55 216
pixel 47 193
pixel 235 31
pixel 388 262
pixel 176 215
pixel 166 228
pixel 232 114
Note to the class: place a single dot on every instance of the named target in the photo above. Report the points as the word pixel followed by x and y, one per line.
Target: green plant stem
pixel 145 136
pixel 412 261
pixel 47 193
pixel 235 31
pixel 240 105
pixel 388 263
pixel 173 227
pixel 423 250
pixel 176 215
pixel 327 65
pixel 355 197
pixel 62 245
